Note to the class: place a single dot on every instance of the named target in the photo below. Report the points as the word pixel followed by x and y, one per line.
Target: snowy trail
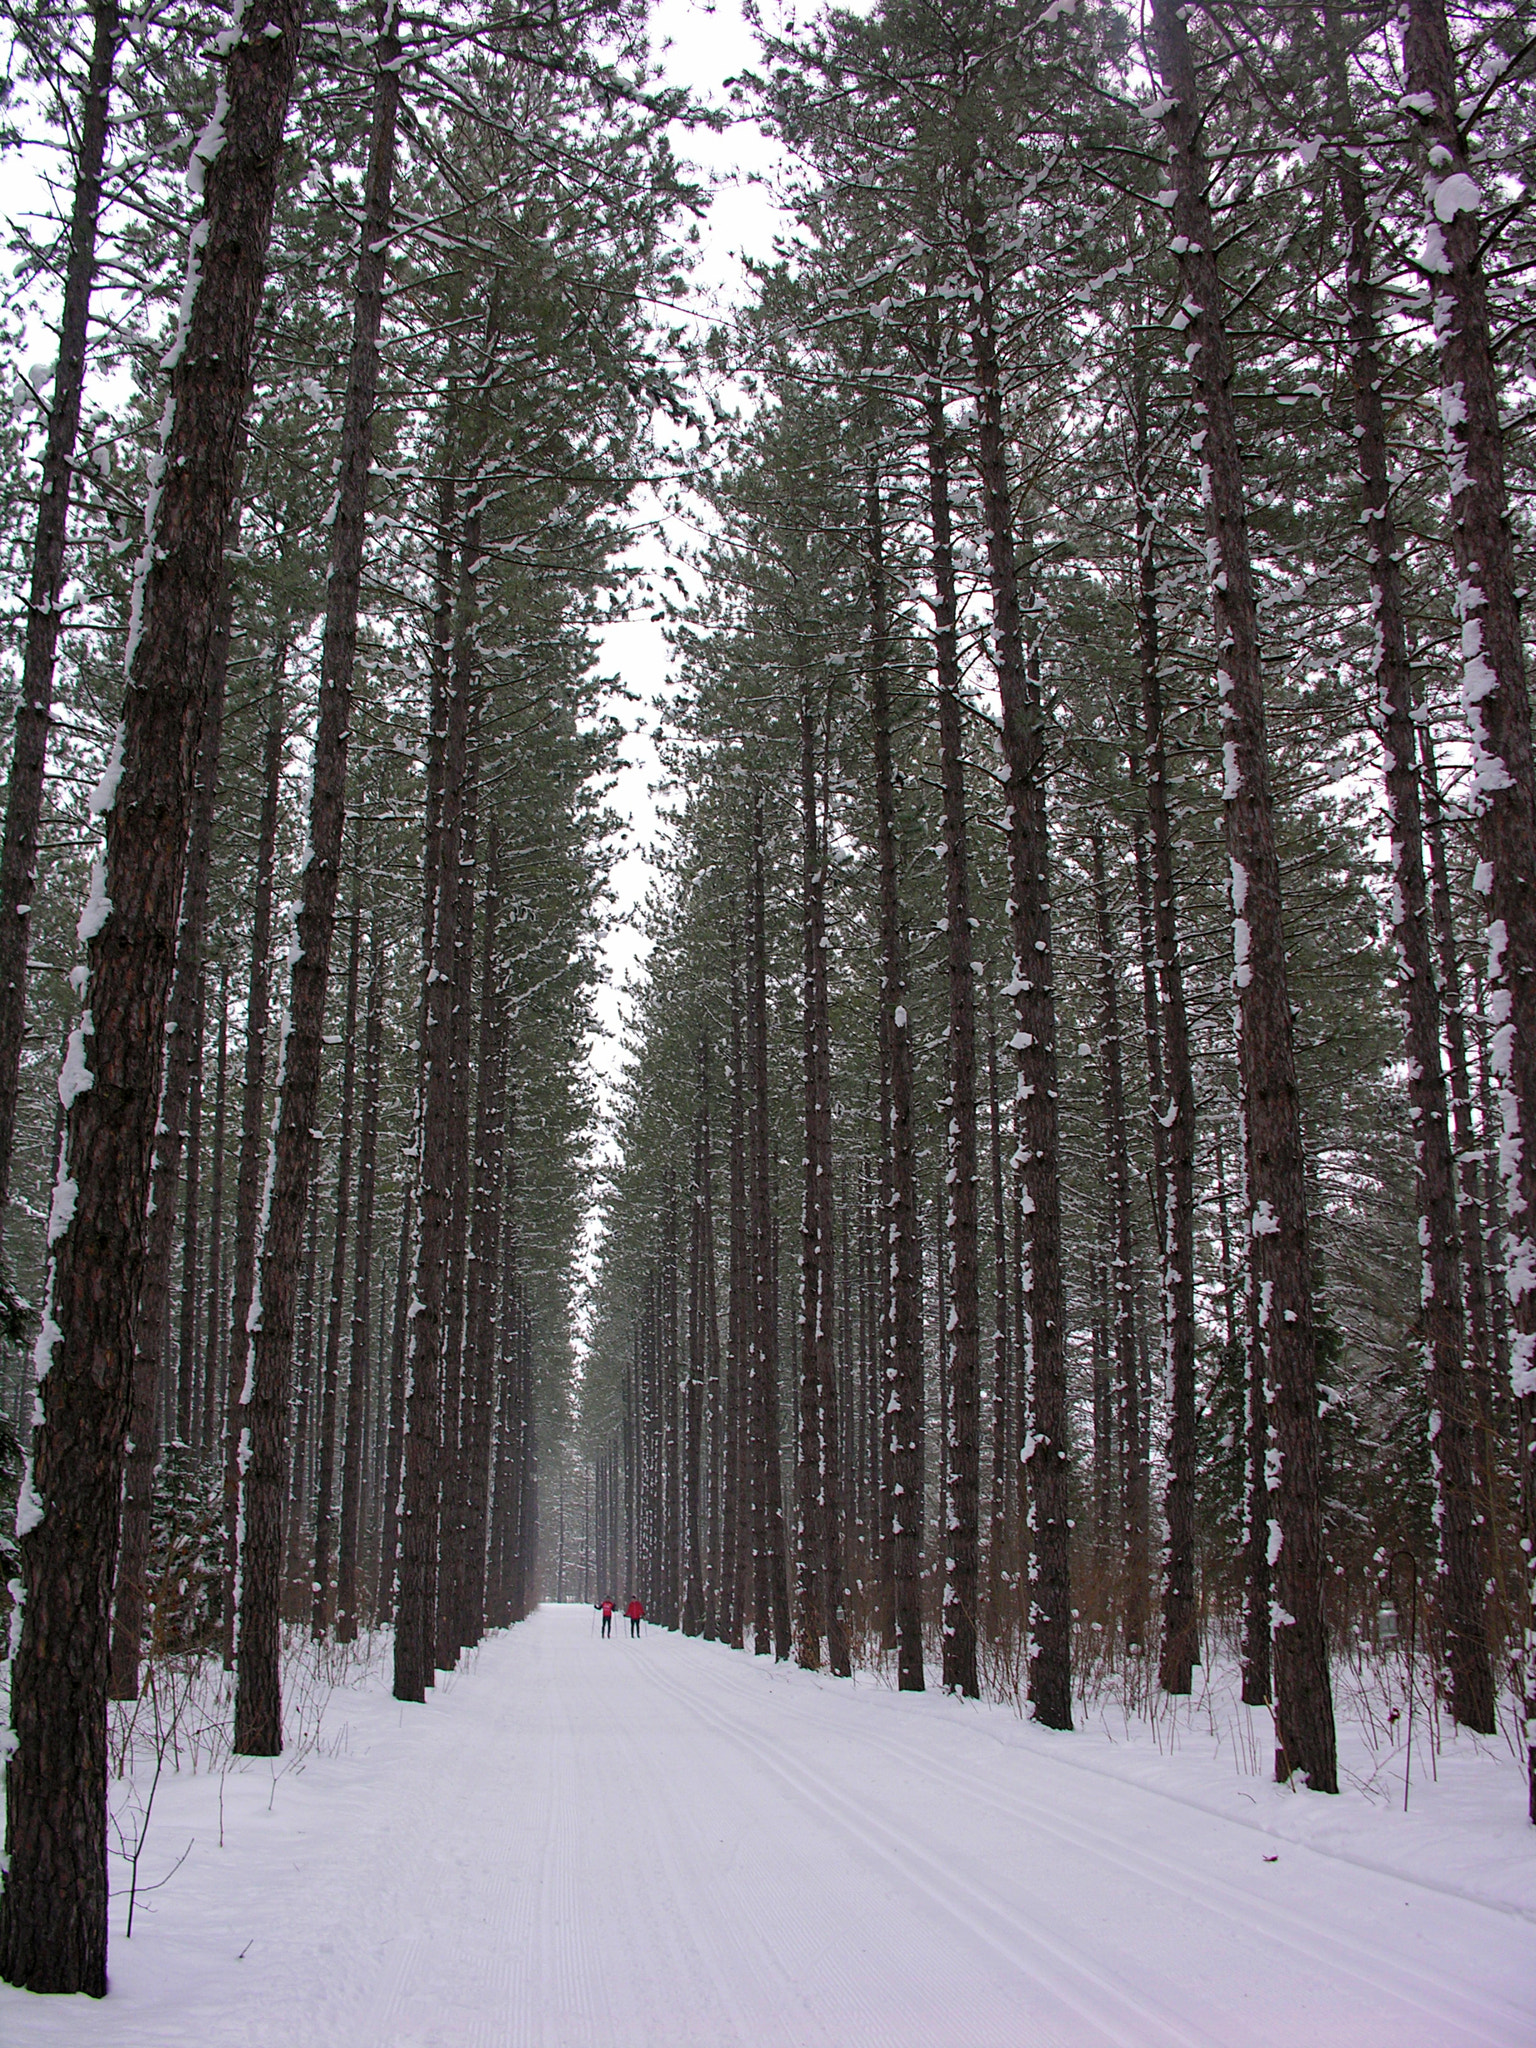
pixel 588 1844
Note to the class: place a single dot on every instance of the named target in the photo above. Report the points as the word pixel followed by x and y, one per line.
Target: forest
pixel 1060 1217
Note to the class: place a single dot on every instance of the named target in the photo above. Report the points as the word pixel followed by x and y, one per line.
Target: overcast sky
pixel 700 46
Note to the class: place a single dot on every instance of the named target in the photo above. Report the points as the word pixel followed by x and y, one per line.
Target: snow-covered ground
pixel 589 1844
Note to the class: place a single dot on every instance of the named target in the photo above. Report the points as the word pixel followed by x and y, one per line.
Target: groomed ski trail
pixel 665 1844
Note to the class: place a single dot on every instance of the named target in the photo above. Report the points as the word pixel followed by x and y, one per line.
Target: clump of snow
pixel 104 795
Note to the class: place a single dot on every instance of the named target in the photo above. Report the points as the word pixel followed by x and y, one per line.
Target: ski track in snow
pixel 663 1844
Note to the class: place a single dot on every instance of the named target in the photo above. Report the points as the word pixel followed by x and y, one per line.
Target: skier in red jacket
pixel 636 1615
pixel 607 1606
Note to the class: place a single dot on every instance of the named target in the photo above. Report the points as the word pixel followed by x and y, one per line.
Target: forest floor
pixel 655 1844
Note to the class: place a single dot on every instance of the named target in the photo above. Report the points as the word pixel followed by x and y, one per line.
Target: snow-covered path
pixel 607 1844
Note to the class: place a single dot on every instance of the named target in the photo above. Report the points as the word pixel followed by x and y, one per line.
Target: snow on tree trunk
pixel 1276 1185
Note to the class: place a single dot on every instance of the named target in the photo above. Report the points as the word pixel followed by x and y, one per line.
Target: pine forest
pixel 828 931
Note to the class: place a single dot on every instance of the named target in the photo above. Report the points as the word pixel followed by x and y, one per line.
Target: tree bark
pixel 34 705
pixel 258 1701
pixel 53 1915
pixel 1276 1182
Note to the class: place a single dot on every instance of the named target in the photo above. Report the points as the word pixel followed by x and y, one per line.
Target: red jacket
pixel 635 1611
pixel 607 1609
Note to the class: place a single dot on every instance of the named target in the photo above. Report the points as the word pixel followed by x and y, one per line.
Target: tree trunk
pixel 296 1554
pixel 322 1606
pixel 1497 708
pixel 1033 990
pixel 999 1519
pixel 1134 1568
pixel 258 1702
pixel 213 1348
pixel 152 1317
pixel 444 1598
pixel 415 1630
pixel 1173 1116
pixel 773 1584
pixel 901 1277
pixel 248 1173
pixel 670 1365
pixel 490 1159
pixel 1472 1182
pixel 360 1345
pixel 714 1404
pixel 736 1533
pixel 53 1915
pixel 1463 1562
pixel 961 1418
pixel 191 1246
pixel 1281 1266
pixel 833 1559
pixel 698 1365
pixel 34 705
pixel 394 1449
pixel 809 1482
